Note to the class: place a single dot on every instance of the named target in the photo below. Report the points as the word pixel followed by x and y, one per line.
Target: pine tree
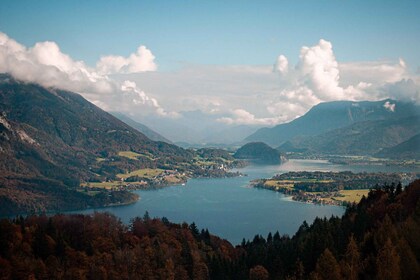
pixel 327 267
pixel 351 263
pixel 388 262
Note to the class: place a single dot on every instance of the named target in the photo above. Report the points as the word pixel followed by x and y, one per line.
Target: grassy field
pixel 144 173
pixel 129 154
pixel 352 195
pixel 134 155
pixel 279 184
pixel 102 185
pixel 289 184
pixel 174 179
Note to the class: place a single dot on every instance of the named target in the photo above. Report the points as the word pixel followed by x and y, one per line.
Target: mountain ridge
pixel 148 132
pixel 331 115
pixel 361 138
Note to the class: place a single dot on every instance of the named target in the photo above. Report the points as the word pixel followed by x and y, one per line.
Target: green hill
pixel 258 152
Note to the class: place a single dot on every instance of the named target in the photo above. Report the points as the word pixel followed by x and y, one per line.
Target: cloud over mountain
pixel 45 64
pixel 319 77
pixel 230 94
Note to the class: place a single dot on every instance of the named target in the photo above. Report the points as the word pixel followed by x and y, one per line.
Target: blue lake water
pixel 229 208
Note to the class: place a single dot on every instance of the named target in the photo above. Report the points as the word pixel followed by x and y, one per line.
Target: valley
pixel 207 140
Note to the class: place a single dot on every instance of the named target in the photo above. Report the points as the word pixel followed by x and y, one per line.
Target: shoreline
pixel 123 203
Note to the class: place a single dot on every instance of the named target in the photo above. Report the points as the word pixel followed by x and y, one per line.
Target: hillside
pixel 407 149
pixel 258 152
pixel 149 133
pixel 362 138
pixel 332 115
pixel 51 140
pixel 376 239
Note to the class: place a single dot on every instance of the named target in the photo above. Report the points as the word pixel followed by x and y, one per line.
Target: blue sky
pixel 218 32
pixel 256 63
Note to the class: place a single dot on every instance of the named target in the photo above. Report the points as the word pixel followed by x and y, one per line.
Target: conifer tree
pixel 388 262
pixel 351 262
pixel 327 267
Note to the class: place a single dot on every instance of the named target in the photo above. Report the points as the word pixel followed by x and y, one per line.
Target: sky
pixel 238 62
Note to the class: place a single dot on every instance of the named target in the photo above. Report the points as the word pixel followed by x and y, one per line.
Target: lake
pixel 229 208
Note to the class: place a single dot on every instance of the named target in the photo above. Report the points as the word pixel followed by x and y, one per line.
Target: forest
pixel 375 239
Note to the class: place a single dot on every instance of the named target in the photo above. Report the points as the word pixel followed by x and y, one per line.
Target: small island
pixel 332 188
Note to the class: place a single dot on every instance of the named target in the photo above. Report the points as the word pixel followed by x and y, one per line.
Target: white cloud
pixel 140 61
pixel 139 97
pixel 389 106
pixel 318 77
pixel 281 65
pixel 318 70
pixel 45 64
pixel 241 116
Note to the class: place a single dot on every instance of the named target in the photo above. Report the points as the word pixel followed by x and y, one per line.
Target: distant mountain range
pixel 198 129
pixel 50 140
pixel 333 115
pixel 348 128
pixel 149 133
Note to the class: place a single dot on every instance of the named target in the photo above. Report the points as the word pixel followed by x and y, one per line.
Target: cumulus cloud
pixel 318 77
pixel 45 64
pixel 281 65
pixel 140 61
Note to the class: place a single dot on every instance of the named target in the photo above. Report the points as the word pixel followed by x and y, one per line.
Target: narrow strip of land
pixel 333 188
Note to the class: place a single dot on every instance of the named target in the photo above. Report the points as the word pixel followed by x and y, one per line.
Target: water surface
pixel 229 208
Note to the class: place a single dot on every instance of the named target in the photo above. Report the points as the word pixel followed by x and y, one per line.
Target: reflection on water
pixel 230 209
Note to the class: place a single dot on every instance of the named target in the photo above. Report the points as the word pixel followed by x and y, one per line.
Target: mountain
pixel 258 152
pixel 151 134
pixel 197 128
pixel 409 149
pixel 51 140
pixel 230 135
pixel 362 138
pixel 332 115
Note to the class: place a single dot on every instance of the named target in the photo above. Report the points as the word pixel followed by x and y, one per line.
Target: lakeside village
pixel 332 188
pixel 147 178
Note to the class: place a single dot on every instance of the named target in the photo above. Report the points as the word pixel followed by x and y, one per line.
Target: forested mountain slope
pixel 50 140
